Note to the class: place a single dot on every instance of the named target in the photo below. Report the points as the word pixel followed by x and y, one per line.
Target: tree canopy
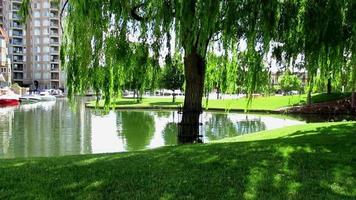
pixel 96 42
pixel 96 47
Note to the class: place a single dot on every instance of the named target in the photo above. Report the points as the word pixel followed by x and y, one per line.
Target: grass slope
pixel 313 161
pixel 259 103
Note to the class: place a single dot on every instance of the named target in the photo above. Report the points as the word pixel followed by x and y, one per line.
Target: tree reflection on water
pixel 137 129
pixel 220 126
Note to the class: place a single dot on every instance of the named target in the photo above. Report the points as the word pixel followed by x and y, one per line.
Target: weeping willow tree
pixel 96 48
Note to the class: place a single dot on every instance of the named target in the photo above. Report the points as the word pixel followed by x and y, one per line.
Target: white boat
pixel 44 105
pixel 45 96
pixel 32 98
pixel 8 98
pixel 56 92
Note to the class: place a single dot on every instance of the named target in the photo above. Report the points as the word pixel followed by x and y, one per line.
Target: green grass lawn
pixel 313 161
pixel 259 103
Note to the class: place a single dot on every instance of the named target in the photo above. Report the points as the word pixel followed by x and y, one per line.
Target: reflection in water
pixel 54 129
pixel 137 129
pixel 220 126
pixel 250 126
pixel 46 129
pixel 170 134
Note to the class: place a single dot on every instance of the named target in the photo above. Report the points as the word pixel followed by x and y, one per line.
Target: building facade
pixel 34 47
pixel 5 63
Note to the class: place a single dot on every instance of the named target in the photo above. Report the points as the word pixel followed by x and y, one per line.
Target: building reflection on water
pixel 55 129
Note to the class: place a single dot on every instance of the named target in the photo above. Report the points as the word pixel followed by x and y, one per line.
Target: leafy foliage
pixel 173 77
pixel 289 82
pixel 96 48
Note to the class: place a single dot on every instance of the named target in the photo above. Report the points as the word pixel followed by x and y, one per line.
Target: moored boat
pixel 8 101
pixel 45 96
pixel 32 98
pixel 8 98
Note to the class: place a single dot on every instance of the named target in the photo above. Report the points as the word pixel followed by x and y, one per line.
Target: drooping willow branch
pixel 322 31
pixel 61 15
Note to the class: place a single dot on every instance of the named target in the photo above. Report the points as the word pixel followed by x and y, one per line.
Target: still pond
pixel 56 129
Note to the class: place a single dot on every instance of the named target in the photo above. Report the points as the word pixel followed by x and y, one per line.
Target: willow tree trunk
pixel 353 100
pixel 194 68
pixel 310 90
pixel 329 87
pixel 309 99
pixel 173 97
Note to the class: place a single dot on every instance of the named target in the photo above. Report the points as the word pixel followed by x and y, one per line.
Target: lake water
pixel 55 129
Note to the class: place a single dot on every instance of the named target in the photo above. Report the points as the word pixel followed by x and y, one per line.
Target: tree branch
pixel 61 15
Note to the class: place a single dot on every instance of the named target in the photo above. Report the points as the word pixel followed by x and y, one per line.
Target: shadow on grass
pixel 303 166
pixel 131 102
pixel 324 97
pixel 165 103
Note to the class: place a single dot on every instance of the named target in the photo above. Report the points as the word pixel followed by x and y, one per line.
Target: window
pixel 37 58
pixel 37 75
pixel 45 31
pixel 37 14
pixel 36 5
pixel 46 40
pixel 37 31
pixel 45 14
pixel 45 5
pixel 46 22
pixel 45 75
pixel 46 58
pixel 46 49
pixel 37 22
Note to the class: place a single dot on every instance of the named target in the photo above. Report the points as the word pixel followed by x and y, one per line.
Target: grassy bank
pixel 313 161
pixel 270 103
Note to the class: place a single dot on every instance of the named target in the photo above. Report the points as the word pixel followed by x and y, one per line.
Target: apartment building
pixel 34 47
pixel 5 63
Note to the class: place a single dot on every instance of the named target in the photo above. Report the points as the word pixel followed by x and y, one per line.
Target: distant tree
pixel 173 76
pixel 289 82
pixel 141 71
pixel 215 74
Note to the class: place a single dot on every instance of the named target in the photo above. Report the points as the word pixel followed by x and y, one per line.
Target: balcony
pixel 16 24
pixel 54 50
pixel 55 58
pixel 16 7
pixel 15 16
pixel 54 5
pixel 55 76
pixel 16 43
pixel 54 23
pixel 17 67
pixel 17 60
pixel 18 75
pixel 17 33
pixel 53 14
pixel 55 67
pixel 54 41
pixel 18 52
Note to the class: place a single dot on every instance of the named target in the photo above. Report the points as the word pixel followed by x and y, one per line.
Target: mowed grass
pixel 312 161
pixel 269 103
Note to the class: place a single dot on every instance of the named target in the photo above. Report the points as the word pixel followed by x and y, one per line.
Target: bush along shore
pixel 337 103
